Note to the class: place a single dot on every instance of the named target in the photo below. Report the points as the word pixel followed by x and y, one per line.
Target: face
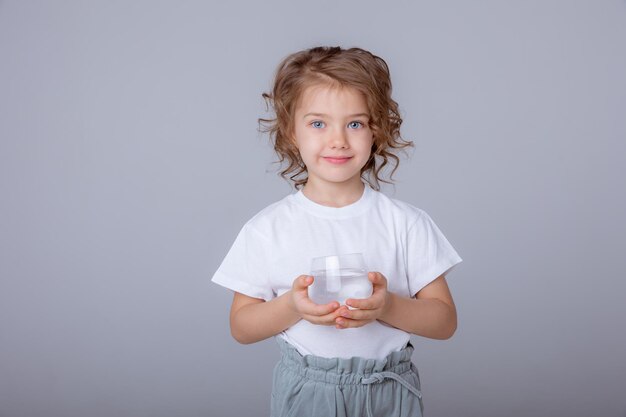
pixel 332 134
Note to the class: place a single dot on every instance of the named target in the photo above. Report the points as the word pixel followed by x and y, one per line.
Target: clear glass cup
pixel 339 277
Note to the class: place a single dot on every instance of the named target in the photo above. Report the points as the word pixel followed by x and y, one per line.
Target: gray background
pixel 129 160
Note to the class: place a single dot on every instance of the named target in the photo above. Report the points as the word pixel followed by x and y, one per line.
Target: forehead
pixel 320 98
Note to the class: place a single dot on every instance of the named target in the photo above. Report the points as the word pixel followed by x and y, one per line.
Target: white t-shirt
pixel 276 246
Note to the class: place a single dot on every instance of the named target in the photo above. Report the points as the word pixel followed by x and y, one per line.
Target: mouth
pixel 337 160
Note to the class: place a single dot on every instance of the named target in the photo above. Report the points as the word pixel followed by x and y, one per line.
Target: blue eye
pixel 317 124
pixel 352 125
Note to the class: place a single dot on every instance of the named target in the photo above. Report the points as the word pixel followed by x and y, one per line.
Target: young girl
pixel 336 125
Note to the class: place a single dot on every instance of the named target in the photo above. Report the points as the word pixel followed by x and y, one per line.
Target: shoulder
pixel 399 209
pixel 264 221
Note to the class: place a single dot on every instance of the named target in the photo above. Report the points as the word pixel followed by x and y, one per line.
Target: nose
pixel 338 139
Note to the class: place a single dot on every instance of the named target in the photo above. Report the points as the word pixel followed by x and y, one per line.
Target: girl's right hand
pixel 324 314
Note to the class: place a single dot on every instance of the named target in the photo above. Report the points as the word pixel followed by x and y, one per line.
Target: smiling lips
pixel 337 160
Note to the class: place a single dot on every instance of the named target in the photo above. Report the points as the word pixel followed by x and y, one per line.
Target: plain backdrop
pixel 130 158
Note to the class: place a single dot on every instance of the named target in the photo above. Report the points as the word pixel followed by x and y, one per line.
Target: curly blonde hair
pixel 354 67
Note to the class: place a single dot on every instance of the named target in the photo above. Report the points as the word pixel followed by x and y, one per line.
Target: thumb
pixel 376 278
pixel 302 282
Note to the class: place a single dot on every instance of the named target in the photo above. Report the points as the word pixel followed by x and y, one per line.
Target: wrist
pixel 291 304
pixel 390 299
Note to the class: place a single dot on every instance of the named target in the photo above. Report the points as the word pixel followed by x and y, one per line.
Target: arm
pixel 254 319
pixel 431 314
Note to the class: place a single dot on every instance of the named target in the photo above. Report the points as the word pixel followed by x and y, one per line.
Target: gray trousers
pixel 312 386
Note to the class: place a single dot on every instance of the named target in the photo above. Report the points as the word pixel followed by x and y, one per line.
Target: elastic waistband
pixel 343 371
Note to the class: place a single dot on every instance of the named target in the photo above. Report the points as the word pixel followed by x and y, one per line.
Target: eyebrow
pixel 322 115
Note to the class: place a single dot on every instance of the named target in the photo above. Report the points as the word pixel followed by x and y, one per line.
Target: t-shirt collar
pixel 351 210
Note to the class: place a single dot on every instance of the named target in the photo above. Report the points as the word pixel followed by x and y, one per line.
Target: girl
pixel 336 125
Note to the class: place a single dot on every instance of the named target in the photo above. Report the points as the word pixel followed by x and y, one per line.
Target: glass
pixel 339 277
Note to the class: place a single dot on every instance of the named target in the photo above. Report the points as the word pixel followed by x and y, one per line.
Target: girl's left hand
pixel 369 309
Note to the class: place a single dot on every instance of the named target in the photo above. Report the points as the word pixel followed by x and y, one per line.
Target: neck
pixel 334 194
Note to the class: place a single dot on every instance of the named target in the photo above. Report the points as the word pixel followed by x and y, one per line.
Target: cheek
pixel 365 146
pixel 307 153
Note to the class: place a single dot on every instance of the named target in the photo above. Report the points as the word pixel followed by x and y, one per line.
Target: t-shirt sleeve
pixel 429 254
pixel 245 267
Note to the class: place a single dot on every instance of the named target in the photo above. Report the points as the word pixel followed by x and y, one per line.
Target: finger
pixel 310 308
pixel 370 303
pixel 343 323
pixel 360 303
pixel 326 320
pixel 358 314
